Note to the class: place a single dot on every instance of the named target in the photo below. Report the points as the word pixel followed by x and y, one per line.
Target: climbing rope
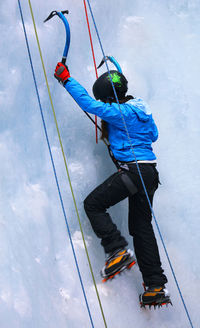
pixel 144 187
pixel 67 171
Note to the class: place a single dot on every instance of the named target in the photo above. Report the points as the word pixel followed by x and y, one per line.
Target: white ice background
pixel 157 44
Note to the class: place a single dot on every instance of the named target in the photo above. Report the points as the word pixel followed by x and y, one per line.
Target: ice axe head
pixel 53 13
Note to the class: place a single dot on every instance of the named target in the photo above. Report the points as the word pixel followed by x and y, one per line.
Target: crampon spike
pixel 130 265
pixel 110 277
pixel 155 305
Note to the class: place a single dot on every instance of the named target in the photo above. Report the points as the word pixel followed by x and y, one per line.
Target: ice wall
pixel 157 44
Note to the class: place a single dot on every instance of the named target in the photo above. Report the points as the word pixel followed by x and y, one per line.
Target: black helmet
pixel 103 89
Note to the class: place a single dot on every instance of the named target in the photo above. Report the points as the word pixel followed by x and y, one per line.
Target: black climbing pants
pixel 112 191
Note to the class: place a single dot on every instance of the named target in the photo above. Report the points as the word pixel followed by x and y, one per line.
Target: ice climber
pixel 126 182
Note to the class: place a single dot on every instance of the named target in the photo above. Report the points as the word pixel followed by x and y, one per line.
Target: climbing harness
pixel 127 181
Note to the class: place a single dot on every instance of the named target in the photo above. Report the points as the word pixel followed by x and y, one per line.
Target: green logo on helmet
pixel 116 78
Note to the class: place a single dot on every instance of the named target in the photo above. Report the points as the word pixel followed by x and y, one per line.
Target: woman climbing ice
pixel 134 114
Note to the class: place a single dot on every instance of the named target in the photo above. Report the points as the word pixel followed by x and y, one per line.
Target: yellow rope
pixel 66 167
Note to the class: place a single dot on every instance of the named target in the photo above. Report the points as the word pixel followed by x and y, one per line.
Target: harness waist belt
pixel 139 161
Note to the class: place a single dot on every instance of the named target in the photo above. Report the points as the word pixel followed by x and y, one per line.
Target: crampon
pixel 116 264
pixel 155 297
pixel 119 272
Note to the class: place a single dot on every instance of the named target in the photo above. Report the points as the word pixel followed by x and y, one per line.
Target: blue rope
pixel 145 190
pixel 52 161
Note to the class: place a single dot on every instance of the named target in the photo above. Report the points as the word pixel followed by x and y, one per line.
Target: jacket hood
pixel 141 109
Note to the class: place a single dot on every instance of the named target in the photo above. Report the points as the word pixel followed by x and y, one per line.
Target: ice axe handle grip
pixel 64 60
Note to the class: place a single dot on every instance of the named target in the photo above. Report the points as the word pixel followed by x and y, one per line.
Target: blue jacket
pixel 138 118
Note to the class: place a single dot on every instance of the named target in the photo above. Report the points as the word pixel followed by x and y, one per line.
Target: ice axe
pixel 67 28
